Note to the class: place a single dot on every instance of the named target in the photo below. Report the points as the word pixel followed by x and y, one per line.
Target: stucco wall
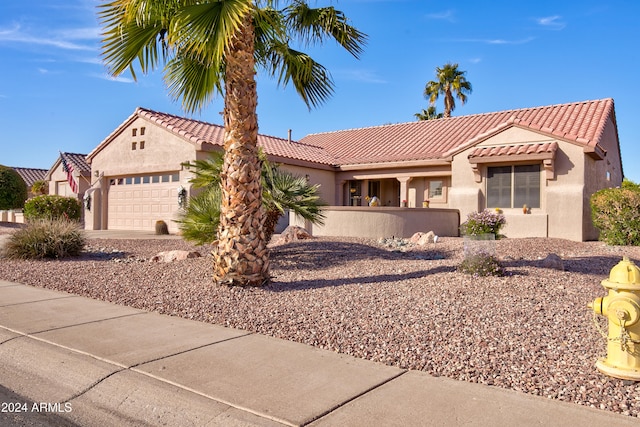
pixel 162 151
pixel 325 178
pixel 605 173
pixel 383 222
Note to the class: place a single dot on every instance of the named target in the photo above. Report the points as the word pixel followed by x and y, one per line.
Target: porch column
pixel 339 193
pixel 404 188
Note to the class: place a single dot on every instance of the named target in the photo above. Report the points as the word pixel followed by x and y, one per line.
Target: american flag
pixel 68 168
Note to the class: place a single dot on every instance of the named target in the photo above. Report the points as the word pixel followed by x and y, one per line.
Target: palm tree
pixel 281 192
pixel 450 81
pixel 428 114
pixel 212 47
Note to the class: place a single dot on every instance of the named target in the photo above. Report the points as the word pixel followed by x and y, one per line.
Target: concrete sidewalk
pixel 99 364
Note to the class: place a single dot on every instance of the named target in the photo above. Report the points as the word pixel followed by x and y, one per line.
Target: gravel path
pixel 529 331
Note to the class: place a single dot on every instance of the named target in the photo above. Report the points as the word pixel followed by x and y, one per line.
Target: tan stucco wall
pixel 163 152
pixel 324 178
pixel 382 222
pixel 606 173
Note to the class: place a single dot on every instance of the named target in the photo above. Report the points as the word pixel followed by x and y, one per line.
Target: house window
pixel 155 179
pixel 513 186
pixel 435 189
pixel 133 145
pixel 142 145
pixel 134 131
pixel 142 131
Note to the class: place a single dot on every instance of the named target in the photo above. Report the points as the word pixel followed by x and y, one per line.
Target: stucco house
pixel 30 176
pixel 549 158
pixel 69 176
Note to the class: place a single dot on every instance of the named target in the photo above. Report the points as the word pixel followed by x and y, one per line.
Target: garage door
pixel 137 202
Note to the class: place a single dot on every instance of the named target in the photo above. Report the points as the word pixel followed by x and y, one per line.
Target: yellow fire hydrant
pixel 622 308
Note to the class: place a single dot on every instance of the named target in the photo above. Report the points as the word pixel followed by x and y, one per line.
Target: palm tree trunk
pixel 241 256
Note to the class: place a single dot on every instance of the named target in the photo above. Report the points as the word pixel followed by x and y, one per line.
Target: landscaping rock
pixel 293 233
pixel 171 256
pixel 552 261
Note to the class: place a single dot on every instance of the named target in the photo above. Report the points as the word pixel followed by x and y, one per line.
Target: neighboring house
pixel 70 176
pixel 30 176
pixel 550 158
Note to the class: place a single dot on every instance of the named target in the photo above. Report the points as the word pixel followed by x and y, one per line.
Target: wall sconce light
pixel 96 173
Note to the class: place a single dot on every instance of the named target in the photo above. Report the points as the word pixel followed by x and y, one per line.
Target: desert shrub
pixel 481 265
pixel 485 222
pixel 161 227
pixel 13 189
pixel 45 238
pixel 52 207
pixel 616 213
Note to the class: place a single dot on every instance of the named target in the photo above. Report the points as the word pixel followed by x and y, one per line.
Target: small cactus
pixel 161 227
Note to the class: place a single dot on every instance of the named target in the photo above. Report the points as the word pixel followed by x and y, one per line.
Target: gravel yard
pixel 529 331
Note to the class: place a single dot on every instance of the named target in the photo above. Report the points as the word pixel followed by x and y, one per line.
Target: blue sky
pixel 55 94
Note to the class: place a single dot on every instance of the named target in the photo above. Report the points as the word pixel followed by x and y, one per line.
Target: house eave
pixel 395 165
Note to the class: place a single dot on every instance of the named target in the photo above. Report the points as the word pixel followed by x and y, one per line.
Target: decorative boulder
pixel 422 239
pixel 552 261
pixel 294 233
pixel 171 256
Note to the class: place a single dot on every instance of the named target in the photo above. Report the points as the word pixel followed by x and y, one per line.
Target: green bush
pixel 485 222
pixel 616 213
pixel 481 265
pixel 45 238
pixel 13 189
pixel 52 207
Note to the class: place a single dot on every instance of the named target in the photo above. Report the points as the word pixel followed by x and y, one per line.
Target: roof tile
pixel 580 123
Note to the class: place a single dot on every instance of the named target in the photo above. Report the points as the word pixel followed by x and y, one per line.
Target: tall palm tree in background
pixel 429 114
pixel 451 83
pixel 212 47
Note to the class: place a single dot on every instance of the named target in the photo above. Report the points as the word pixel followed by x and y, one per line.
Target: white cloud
pixel 447 15
pixel 495 41
pixel 61 40
pixel 553 22
pixel 475 60
pixel 118 79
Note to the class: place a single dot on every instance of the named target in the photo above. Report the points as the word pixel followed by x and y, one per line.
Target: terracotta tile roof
pixel 514 150
pixel 78 161
pixel 580 123
pixel 206 134
pixel 30 175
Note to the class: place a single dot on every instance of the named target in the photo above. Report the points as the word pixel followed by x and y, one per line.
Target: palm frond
pixel 193 82
pixel 199 222
pixel 314 25
pixel 311 80
pixel 206 171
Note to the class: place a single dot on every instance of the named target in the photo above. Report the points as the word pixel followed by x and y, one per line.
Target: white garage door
pixel 137 202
